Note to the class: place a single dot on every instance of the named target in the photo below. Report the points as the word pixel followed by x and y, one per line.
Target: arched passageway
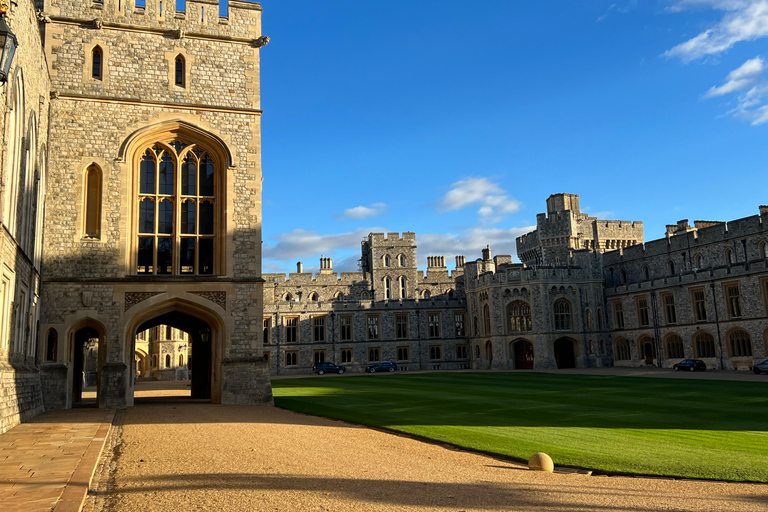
pixel 565 353
pixel 86 354
pixel 200 336
pixel 522 354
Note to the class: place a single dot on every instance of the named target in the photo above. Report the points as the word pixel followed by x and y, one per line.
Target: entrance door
pixel 523 351
pixel 82 339
pixel 565 356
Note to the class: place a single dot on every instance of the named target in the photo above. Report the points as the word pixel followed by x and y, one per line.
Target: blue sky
pixel 457 120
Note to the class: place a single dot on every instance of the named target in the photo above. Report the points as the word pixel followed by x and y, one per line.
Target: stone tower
pixel 391 262
pixel 156 215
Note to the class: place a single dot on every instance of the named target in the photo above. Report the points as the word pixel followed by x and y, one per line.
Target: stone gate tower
pixel 154 210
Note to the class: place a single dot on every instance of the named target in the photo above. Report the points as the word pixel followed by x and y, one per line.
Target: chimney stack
pixel 299 267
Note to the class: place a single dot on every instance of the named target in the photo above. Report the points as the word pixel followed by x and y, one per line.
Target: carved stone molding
pixel 219 298
pixel 133 298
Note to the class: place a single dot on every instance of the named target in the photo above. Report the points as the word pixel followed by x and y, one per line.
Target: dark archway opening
pixel 199 332
pixel 565 356
pixel 523 354
pixel 85 365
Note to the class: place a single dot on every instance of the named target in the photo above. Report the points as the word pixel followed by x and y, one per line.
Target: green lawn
pixel 675 427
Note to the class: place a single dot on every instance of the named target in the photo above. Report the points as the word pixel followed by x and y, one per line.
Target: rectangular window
pixel 403 354
pixel 345 328
pixel 318 328
pixel 669 308
pixel 373 328
pixel 346 355
pixel 434 325
pixel 267 329
pixel 435 352
pixel 733 299
pixel 462 352
pixel 291 359
pixel 374 355
pixel 618 314
pixel 458 321
pixel 642 312
pixel 699 305
pixel 292 329
pixel 401 326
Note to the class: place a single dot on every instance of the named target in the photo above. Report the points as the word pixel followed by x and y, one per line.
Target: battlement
pixel 239 20
pixel 407 237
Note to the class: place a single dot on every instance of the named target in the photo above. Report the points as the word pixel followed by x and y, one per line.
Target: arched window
pixel 623 276
pixel 426 294
pixel 181 360
pixel 385 260
pixel 387 288
pixel 401 260
pixel 763 249
pixel 646 272
pixel 697 260
pixel 703 345
pixel 477 351
pixel 451 293
pixel 364 296
pixel 728 257
pixel 168 360
pixel 599 319
pixel 589 319
pixel 403 289
pixel 739 343
pixel 179 71
pixel 313 297
pixel 177 205
pixel 646 347
pixel 339 296
pixel 288 297
pixel 97 57
pixel 487 319
pixel 519 316
pixel 475 327
pixel 562 309
pixel 14 135
pixel 51 347
pixel 674 346
pixel 671 267
pixel 92 202
pixel 621 350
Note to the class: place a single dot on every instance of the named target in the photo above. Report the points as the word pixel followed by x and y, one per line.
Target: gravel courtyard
pixel 190 456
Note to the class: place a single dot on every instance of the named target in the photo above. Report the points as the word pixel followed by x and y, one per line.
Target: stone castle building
pixel 588 293
pixel 133 130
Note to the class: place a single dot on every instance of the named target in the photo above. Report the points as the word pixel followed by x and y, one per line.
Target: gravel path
pixel 182 456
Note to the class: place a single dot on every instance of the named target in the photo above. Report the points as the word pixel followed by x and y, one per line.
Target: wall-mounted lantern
pixel 8 43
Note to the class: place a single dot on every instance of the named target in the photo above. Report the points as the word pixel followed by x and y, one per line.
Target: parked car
pixel 760 367
pixel 383 366
pixel 321 368
pixel 690 365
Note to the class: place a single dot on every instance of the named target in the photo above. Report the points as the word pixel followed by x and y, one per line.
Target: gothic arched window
pixel 92 202
pixel 97 58
pixel 562 309
pixel 177 204
pixel 519 315
pixel 179 71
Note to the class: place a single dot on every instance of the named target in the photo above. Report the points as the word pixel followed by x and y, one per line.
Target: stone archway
pixel 86 353
pixel 521 353
pixel 565 353
pixel 207 333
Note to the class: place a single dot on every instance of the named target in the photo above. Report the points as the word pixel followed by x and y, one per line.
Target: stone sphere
pixel 540 461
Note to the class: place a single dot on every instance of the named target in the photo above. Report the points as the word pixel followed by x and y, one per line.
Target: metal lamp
pixel 8 43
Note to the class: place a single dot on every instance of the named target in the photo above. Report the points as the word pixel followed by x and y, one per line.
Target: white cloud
pixel 605 14
pixel 493 199
pixel 744 20
pixel 364 212
pixel 740 78
pixel 308 246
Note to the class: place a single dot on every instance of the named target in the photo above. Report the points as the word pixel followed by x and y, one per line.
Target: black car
pixel 760 367
pixel 321 368
pixel 383 366
pixel 690 365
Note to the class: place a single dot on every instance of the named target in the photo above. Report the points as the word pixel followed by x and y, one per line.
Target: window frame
pixel 670 309
pixel 733 302
pixel 350 326
pixel 699 304
pixel 435 350
pixel 293 328
pixel 398 324
pixel 618 314
pixel 433 325
pixel 373 327
pixel 319 328
pixel 643 314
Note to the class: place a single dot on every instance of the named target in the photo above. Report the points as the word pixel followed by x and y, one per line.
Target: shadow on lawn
pixel 530 400
pixel 617 495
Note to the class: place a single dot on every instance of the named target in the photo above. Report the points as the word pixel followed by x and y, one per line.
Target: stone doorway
pixel 199 369
pixel 522 352
pixel 565 353
pixel 86 368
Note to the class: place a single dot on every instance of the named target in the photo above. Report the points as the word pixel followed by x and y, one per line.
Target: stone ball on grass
pixel 540 461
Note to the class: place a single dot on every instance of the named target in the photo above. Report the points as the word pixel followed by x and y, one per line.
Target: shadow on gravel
pixel 487 496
